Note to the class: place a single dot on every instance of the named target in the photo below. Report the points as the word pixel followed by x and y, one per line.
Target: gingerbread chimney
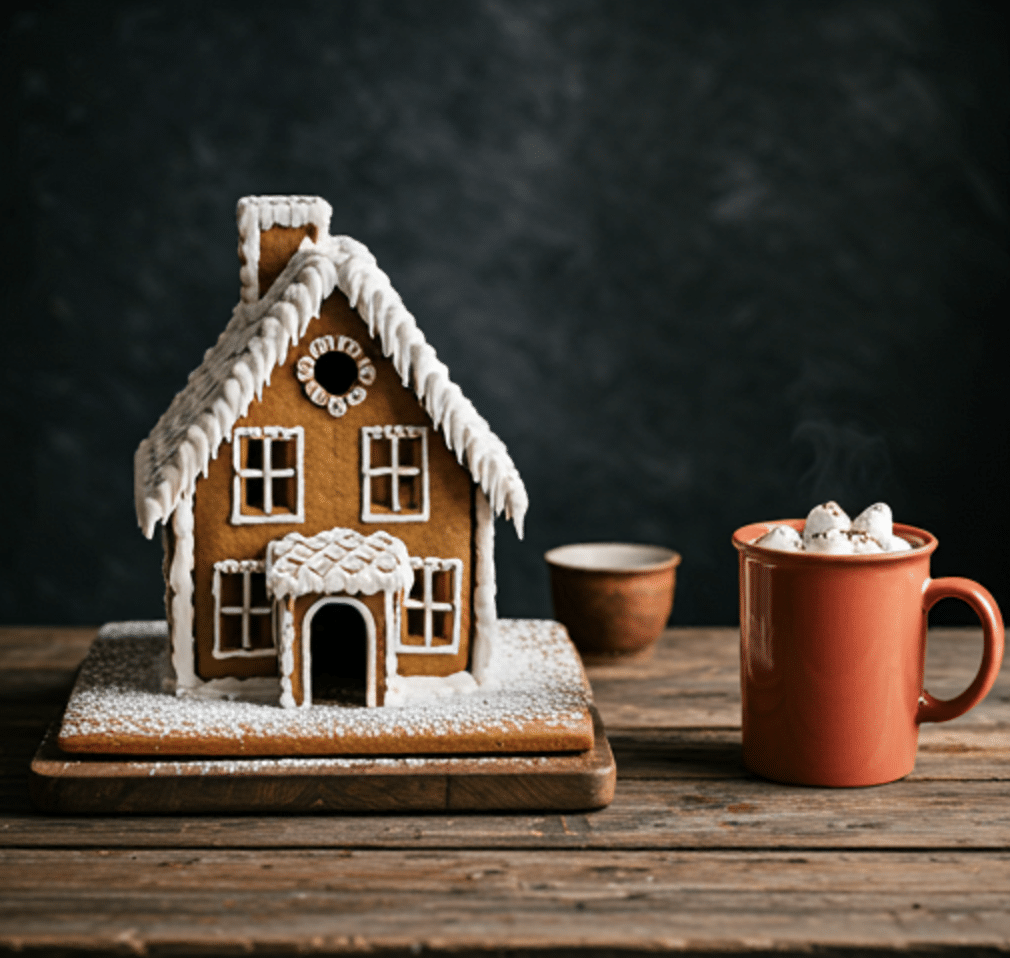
pixel 270 230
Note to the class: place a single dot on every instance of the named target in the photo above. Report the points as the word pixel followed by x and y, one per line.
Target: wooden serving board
pixel 64 783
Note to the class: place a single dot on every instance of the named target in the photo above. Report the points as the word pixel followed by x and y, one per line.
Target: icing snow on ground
pixel 535 692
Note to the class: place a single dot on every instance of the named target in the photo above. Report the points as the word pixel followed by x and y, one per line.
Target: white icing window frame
pixel 267 474
pixel 395 471
pixel 426 567
pixel 246 568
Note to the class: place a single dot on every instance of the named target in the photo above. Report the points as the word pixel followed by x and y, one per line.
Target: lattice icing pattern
pixel 338 560
pixel 256 340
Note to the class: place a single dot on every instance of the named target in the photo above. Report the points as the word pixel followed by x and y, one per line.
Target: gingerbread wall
pixel 332 477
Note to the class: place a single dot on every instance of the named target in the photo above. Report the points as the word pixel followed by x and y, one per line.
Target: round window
pixel 335 373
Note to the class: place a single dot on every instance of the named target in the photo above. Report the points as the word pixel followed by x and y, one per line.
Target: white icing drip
pixel 405 689
pixel 148 508
pixel 180 581
pixel 287 658
pixel 265 690
pixel 256 340
pixel 137 628
pixel 484 609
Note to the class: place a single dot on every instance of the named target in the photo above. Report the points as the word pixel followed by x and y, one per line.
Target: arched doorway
pixel 339 648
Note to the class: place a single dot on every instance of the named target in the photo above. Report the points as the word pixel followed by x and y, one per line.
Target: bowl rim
pixel 554 557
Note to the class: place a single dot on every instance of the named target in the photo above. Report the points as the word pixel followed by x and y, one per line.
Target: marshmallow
pixel 834 542
pixel 823 519
pixel 876 521
pixel 783 538
pixel 829 531
pixel 895 544
pixel 865 544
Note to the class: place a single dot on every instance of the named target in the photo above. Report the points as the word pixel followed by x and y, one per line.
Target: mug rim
pixel 555 557
pixel 743 541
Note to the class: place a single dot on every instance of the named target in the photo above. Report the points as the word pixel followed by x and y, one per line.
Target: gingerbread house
pixel 326 493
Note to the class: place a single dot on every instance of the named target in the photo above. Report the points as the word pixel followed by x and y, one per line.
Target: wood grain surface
pixel 693 855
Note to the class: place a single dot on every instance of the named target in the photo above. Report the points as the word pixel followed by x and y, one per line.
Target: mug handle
pixel 942 710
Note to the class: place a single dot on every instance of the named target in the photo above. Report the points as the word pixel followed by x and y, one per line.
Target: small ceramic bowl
pixel 613 597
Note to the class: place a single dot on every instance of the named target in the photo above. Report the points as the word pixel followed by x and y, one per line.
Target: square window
pixel 394 474
pixel 431 622
pixel 268 483
pixel 243 614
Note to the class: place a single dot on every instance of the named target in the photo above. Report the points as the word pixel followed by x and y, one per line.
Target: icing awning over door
pixel 337 561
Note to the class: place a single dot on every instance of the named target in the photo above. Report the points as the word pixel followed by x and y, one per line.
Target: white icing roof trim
pixel 256 340
pixel 338 560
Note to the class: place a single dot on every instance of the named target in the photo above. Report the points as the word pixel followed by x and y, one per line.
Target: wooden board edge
pixel 62 783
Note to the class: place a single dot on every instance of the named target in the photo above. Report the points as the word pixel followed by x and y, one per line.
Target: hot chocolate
pixel 829 530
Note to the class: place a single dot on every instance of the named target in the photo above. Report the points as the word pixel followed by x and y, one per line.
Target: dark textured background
pixel 698 263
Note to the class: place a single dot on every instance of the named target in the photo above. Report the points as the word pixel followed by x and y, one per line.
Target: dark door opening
pixel 339 649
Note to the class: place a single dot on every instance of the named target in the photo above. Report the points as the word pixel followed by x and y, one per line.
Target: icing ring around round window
pixel 335 373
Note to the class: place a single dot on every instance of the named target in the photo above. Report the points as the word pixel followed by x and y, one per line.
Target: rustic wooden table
pixel 694 854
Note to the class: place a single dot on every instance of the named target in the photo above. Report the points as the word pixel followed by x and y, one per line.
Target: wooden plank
pixel 962 751
pixel 219 901
pixel 946 752
pixel 36 641
pixel 37 647
pixel 693 680
pixel 651 814
pixel 38 665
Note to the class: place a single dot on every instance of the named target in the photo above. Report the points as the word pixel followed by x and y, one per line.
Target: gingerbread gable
pixel 257 339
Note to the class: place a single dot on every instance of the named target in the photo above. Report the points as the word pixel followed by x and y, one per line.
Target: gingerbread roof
pixel 338 560
pixel 235 370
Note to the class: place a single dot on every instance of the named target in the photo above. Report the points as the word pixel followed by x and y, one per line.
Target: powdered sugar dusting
pixel 535 697
pixel 156 766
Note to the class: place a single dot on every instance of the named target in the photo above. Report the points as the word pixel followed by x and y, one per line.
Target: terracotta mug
pixel 832 654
